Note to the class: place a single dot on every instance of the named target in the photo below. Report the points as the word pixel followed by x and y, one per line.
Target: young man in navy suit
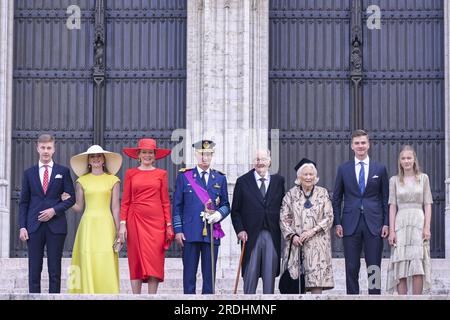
pixel 42 218
pixel 363 184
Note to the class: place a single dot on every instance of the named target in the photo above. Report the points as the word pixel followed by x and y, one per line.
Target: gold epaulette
pixel 219 171
pixel 185 169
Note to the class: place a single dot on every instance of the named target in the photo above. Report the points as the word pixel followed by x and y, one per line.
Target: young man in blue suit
pixel 42 218
pixel 363 184
pixel 196 187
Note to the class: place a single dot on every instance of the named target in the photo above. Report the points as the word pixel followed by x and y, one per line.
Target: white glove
pixel 214 218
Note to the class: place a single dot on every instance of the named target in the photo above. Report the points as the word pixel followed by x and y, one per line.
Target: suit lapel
pixel 371 174
pixel 37 179
pixel 352 173
pixel 52 177
pixel 252 183
pixel 211 179
pixel 209 184
pixel 269 192
pixel 198 178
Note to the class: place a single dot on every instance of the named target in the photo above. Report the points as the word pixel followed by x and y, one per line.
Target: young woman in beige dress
pixel 410 202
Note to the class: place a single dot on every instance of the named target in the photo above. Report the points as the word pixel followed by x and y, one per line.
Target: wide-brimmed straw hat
pixel 79 163
pixel 147 144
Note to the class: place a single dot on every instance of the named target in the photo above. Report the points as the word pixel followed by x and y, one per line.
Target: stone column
pixel 227 89
pixel 6 66
pixel 447 126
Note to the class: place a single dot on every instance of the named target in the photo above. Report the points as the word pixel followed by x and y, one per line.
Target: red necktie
pixel 45 180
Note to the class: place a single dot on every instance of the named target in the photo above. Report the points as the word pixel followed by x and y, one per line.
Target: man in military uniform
pixel 200 199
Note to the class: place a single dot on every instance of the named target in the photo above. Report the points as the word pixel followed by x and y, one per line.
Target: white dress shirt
pixel 358 169
pixel 208 171
pixel 266 182
pixel 42 169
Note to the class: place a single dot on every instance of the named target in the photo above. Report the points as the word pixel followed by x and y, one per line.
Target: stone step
pixel 229 266
pixel 222 297
pixel 176 274
pixel 222 293
pixel 220 283
pixel 14 277
pixel 174 277
pixel 222 286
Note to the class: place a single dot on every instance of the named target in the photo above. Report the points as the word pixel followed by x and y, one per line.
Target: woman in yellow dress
pixel 95 264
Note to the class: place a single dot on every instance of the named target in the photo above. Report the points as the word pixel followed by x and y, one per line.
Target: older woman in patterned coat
pixel 307 215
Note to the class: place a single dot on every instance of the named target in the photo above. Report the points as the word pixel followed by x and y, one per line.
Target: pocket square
pixel 375 177
pixel 58 176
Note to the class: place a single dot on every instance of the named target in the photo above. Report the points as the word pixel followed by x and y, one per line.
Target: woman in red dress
pixel 145 219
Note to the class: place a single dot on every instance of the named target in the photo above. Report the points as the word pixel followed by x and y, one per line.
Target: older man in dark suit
pixel 255 214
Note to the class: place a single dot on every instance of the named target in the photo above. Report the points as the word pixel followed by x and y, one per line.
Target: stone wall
pixel 6 66
pixel 227 88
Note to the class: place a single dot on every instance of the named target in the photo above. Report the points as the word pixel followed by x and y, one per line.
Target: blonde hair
pixel 45 137
pixel 416 167
pixel 299 172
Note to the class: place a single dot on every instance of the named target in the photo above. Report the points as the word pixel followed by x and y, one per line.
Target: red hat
pixel 148 144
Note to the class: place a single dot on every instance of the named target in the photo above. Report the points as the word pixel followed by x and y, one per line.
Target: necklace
pixel 307 203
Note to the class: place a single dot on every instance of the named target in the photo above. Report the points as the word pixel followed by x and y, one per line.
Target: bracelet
pixel 123 222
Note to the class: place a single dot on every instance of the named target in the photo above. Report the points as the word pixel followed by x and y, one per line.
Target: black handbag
pixel 287 285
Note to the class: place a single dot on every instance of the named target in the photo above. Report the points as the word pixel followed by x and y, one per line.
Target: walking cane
pixel 212 259
pixel 239 268
pixel 211 232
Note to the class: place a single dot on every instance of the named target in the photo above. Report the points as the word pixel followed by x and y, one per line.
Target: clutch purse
pixel 117 245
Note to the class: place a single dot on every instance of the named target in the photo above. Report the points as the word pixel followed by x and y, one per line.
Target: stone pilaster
pixel 6 66
pixel 447 126
pixel 227 88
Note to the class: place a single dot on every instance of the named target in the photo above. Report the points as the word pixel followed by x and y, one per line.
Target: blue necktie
pixel 362 182
pixel 204 178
